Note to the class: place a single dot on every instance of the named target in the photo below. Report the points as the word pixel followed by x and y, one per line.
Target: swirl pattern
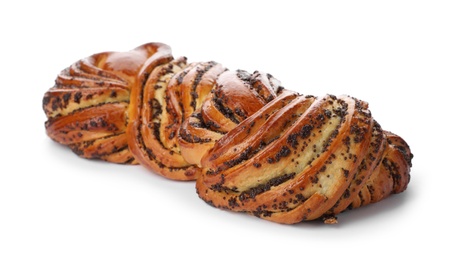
pixel 251 145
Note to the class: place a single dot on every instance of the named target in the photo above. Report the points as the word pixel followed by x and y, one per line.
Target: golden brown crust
pixel 303 169
pixel 149 126
pixel 331 158
pixel 87 107
pixel 251 145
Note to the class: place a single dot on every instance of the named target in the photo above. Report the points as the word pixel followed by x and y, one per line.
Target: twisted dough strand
pixel 251 145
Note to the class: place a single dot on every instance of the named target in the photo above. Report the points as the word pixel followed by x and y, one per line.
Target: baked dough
pixel 251 145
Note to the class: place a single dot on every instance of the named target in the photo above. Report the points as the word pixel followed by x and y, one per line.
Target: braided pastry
pixel 251 145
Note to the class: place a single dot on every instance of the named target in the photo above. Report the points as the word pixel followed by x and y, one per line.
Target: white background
pixel 400 56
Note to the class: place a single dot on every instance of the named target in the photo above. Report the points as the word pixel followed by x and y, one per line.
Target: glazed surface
pixel 251 145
